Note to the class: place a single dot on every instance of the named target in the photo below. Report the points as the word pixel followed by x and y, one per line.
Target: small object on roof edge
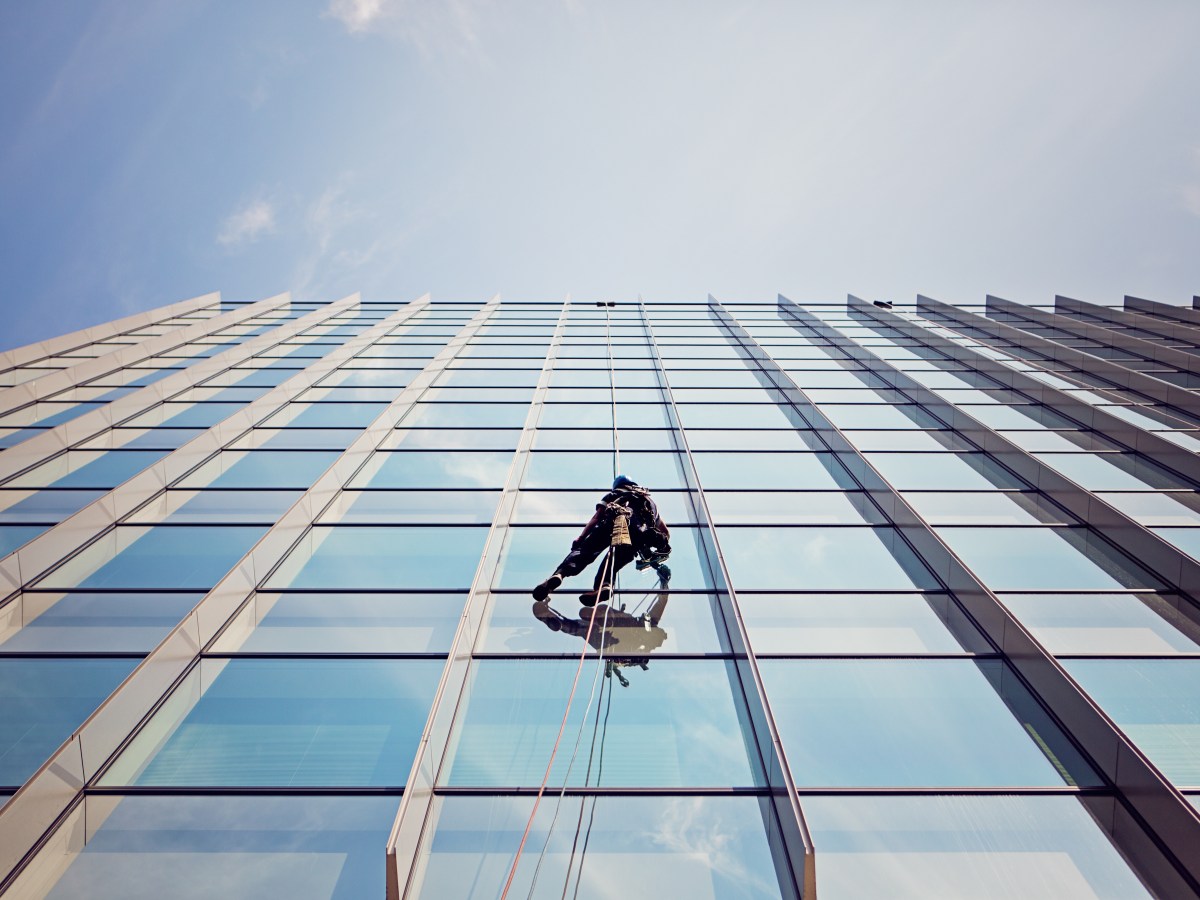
pixel 884 304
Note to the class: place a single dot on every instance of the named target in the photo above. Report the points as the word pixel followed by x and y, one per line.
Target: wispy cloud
pixel 432 27
pixel 357 15
pixel 247 224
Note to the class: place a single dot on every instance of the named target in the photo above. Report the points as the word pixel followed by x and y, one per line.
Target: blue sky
pixel 153 151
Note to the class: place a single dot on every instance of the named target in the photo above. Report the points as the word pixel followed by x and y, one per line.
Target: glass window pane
pixel 942 721
pixel 791 508
pixel 751 415
pixel 821 559
pixel 451 439
pixel 326 415
pixel 261 469
pixel 879 415
pixel 1051 559
pixel 676 725
pixel 244 848
pixel 983 847
pixel 656 471
pixel 43 506
pixel 80 622
pixel 42 701
pixel 384 507
pixel 986 508
pixel 403 557
pixel 1110 624
pixel 434 469
pixel 1175 508
pixel 216 507
pixel 296 722
pixel 576 415
pixel 1154 702
pixel 344 623
pixel 167 557
pixel 942 471
pixel 771 471
pixel 1110 471
pixel 466 415
pixel 89 469
pixel 777 439
pixel 850 623
pixel 717 848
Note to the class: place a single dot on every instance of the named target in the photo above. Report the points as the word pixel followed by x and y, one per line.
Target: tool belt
pixel 620 525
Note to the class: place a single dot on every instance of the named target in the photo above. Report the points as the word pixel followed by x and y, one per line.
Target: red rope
pixel 512 872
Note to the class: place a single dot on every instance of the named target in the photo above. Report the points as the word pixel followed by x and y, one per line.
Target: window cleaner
pixel 627 524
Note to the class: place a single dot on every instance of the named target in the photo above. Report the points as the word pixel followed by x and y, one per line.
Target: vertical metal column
pixel 55 346
pixel 43 809
pixel 414 815
pixel 1153 824
pixel 794 840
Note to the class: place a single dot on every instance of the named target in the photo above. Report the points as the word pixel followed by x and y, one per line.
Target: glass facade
pixel 930 627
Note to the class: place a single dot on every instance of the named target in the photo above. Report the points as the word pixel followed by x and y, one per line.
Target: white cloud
pixel 1191 198
pixel 357 15
pixel 247 224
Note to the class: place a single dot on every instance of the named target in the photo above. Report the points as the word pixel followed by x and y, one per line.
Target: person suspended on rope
pixel 627 524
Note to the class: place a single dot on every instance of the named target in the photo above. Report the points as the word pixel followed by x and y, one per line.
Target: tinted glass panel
pixel 42 701
pixel 815 559
pixel 286 722
pixel 1051 559
pixel 179 557
pixel 350 557
pixel 986 848
pixel 717 850
pixel 942 723
pixel 245 848
pixel 675 725
pixel 1154 702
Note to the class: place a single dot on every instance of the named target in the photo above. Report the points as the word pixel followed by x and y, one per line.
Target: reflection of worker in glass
pixel 625 639
pixel 626 523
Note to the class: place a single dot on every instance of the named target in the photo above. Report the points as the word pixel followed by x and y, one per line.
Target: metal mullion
pixel 1149 444
pixel 414 817
pixel 797 844
pixel 55 790
pixel 85 370
pixel 49 549
pixel 61 438
pixel 1173 331
pixel 22 356
pixel 1158 829
pixel 1151 352
pixel 1164 560
pixel 1152 308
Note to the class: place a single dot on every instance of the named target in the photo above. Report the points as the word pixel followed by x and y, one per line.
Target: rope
pixel 612 387
pixel 574 753
pixel 554 752
pixel 592 817
pixel 605 566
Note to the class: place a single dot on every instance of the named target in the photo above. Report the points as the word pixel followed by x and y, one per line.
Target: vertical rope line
pixel 574 753
pixel 612 387
pixel 553 753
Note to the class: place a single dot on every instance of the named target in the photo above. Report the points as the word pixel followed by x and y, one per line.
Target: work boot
pixel 543 612
pixel 543 590
pixel 592 597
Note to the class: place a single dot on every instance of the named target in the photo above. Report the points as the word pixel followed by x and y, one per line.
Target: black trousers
pixel 593 543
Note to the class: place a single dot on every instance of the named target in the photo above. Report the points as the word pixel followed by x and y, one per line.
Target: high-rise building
pixel 930 628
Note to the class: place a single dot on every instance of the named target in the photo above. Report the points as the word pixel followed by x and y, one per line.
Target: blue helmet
pixel 621 481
